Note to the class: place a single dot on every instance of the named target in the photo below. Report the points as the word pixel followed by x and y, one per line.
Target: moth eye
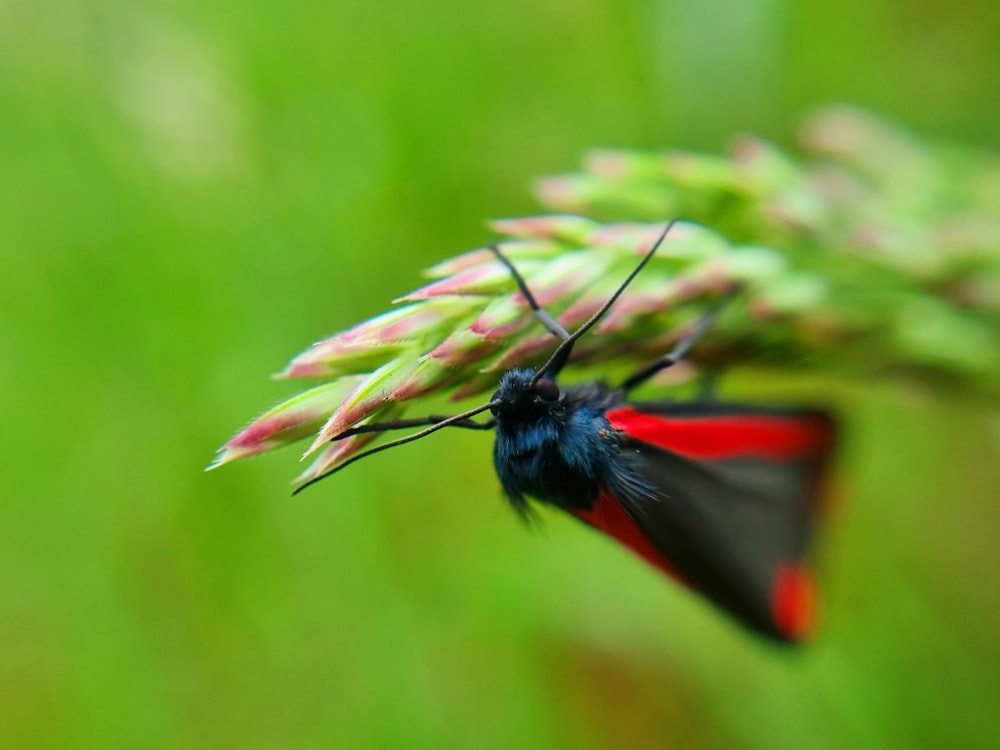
pixel 547 390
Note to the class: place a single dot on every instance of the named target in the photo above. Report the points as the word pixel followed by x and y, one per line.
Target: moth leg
pixel 680 350
pixel 462 420
pixel 402 424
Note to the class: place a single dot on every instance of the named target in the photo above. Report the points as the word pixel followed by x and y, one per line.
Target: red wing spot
pixel 773 437
pixel 793 601
pixel 609 516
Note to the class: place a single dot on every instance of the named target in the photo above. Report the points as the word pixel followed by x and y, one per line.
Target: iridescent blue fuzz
pixel 559 447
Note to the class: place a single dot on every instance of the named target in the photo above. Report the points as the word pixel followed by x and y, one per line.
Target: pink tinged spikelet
pixel 686 242
pixel 333 454
pixel 556 284
pixel 523 351
pixel 516 250
pixel 611 165
pixel 765 170
pixel 699 172
pixel 336 452
pixel 587 192
pixel 582 308
pixel 373 343
pixel 430 375
pixel 561 281
pixel 503 318
pixel 635 306
pixel 374 329
pixel 288 422
pixel 421 319
pixel 337 358
pixel 786 198
pixel 372 394
pixel 463 348
pixel 567 192
pixel 565 276
pixel 635 238
pixel 486 279
pixel 566 227
pixel 460 263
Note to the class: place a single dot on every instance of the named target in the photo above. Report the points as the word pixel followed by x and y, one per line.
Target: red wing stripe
pixel 714 437
pixel 609 516
pixel 793 601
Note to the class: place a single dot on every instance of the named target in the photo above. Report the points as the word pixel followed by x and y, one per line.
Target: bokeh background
pixel 190 193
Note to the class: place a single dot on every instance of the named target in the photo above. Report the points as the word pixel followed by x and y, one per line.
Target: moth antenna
pixel 402 424
pixel 560 356
pixel 552 325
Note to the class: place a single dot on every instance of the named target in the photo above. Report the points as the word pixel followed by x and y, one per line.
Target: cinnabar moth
pixel 722 498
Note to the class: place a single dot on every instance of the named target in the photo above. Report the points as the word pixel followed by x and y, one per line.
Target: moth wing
pixel 735 495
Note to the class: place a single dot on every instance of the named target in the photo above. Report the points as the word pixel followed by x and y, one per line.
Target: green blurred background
pixel 192 192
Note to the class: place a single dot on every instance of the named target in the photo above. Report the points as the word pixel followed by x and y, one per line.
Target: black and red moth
pixel 722 498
